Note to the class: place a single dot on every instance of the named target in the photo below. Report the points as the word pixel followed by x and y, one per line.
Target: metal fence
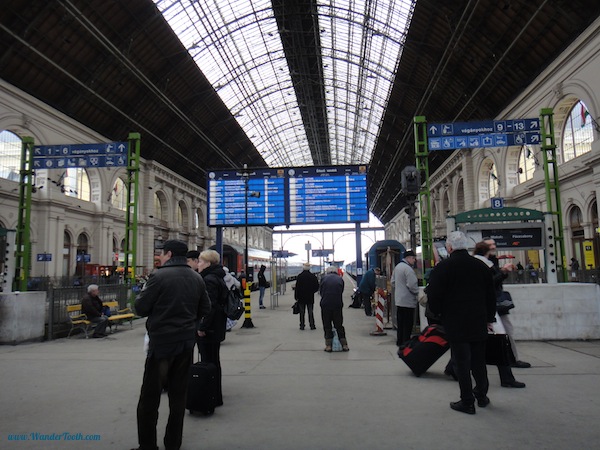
pixel 58 298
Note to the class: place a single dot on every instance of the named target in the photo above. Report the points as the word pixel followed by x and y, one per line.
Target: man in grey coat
pixel 406 288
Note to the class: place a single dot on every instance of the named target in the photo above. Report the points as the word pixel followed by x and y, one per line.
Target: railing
pixel 539 276
pixel 58 298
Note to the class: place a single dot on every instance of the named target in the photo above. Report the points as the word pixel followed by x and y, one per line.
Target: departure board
pixel 286 196
pixel 328 194
pixel 265 201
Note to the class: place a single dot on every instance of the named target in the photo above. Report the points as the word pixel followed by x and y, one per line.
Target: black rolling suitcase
pixel 202 388
pixel 421 351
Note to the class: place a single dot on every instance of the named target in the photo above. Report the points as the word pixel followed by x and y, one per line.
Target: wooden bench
pixel 78 320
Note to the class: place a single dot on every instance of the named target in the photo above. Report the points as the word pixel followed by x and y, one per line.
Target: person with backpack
pixel 211 331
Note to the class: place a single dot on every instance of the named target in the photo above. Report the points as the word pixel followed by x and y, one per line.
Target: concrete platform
pixel 281 391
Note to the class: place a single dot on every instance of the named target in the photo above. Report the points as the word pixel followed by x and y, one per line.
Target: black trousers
pixel 469 358
pixel 210 352
pixel 172 371
pixel 311 316
pixel 405 319
pixel 333 318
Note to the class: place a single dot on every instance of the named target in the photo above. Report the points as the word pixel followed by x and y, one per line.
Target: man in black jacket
pixel 174 299
pixel 461 291
pixel 91 306
pixel 304 293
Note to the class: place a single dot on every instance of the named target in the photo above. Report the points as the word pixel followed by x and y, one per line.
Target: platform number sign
pixel 497 203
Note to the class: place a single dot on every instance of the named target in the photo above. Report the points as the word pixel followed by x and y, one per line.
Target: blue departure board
pixel 328 194
pixel 266 197
pixel 286 196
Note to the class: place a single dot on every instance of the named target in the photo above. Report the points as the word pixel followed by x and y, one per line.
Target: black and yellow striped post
pixel 247 308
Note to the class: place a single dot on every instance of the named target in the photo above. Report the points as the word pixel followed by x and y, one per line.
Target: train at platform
pixel 233 259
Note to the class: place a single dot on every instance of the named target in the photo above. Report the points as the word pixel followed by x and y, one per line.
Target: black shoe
pixel 313 328
pixel 262 307
pixel 302 328
pixel 483 402
pixel 513 384
pixel 460 406
pixel 521 365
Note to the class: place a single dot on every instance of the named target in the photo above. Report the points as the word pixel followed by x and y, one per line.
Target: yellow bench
pixel 78 320
pixel 118 316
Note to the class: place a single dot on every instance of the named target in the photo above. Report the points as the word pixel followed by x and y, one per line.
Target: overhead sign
pixel 497 202
pixel 508 235
pixel 491 133
pixel 44 257
pixel 321 253
pixel 285 196
pixel 107 154
pixel 262 203
pixel 328 195
pixel 280 253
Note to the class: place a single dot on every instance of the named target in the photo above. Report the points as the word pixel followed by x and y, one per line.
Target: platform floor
pixel 282 391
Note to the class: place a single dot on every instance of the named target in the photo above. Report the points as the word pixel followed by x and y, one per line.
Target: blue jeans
pixel 262 295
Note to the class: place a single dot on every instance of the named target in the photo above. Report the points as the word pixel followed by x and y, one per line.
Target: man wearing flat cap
pixel 406 288
pixel 174 299
pixel 307 285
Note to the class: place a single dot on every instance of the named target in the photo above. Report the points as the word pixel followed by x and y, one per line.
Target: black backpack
pixel 234 305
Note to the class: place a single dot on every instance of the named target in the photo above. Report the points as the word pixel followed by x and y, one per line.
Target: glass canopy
pixel 238 46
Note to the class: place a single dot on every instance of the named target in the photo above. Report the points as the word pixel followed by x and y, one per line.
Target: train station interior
pixel 119 120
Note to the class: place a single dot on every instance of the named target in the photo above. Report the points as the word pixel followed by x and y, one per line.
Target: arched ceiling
pixel 222 83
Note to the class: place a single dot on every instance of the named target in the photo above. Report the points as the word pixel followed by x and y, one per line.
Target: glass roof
pixel 237 45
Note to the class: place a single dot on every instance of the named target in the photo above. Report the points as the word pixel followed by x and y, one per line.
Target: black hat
pixel 192 254
pixel 409 253
pixel 177 248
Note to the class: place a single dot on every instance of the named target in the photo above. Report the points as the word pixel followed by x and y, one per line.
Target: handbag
pixel 504 302
pixel 296 308
pixel 498 351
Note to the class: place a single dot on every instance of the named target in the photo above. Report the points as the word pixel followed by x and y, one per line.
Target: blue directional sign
pixel 44 257
pixel 321 253
pixel 108 154
pixel 86 258
pixel 280 253
pixel 491 133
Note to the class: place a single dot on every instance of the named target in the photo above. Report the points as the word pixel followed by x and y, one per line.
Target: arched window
pixel 118 195
pixel 527 163
pixel 10 155
pixel 578 133
pixel 77 184
pixel 493 182
pixel 158 207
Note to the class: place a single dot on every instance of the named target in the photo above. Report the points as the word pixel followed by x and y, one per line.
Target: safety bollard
pixel 247 308
pixel 380 297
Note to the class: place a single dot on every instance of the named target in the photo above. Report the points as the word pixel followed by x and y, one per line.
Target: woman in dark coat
pixel 211 331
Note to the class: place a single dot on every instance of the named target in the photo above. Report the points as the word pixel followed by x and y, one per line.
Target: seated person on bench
pixel 91 306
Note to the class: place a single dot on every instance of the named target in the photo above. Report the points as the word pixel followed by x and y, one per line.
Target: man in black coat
pixel 91 306
pixel 175 300
pixel 304 293
pixel 461 291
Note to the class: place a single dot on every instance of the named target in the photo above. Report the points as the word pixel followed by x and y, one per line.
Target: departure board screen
pixel 286 196
pixel 265 200
pixel 328 194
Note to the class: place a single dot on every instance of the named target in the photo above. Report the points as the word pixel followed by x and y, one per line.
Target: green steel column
pixel 131 221
pixel 23 239
pixel 422 162
pixel 552 187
